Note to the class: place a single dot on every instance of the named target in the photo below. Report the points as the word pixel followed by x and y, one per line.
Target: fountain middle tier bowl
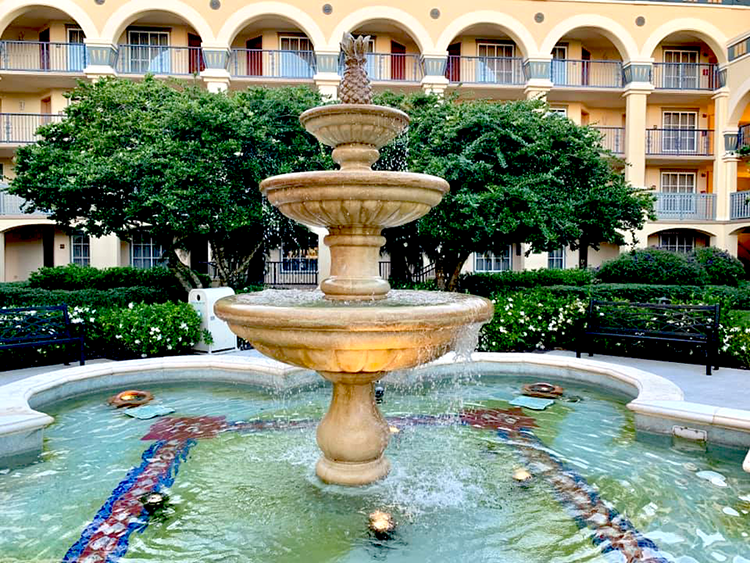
pixel 354 197
pixel 301 328
pixel 344 124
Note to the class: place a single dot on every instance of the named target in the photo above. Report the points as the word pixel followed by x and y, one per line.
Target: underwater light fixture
pixel 381 524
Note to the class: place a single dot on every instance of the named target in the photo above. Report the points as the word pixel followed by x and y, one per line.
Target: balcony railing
pixel 392 67
pixel 20 128
pixel 291 271
pixel 613 138
pixel 586 74
pixel 679 142
pixel 12 204
pixel 246 63
pixel 739 205
pixel 685 206
pixel 685 76
pixel 485 70
pixel 159 59
pixel 39 56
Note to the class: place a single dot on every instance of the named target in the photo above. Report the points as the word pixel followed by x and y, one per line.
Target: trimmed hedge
pixel 653 265
pixel 487 285
pixel 19 294
pixel 80 277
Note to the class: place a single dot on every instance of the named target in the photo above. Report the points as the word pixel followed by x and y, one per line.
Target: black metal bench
pixel 32 327
pixel 689 325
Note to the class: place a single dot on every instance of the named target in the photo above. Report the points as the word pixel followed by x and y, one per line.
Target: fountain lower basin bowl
pixel 404 330
pixel 354 197
pixel 344 124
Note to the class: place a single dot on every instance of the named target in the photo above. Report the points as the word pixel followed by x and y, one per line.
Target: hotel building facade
pixel 667 84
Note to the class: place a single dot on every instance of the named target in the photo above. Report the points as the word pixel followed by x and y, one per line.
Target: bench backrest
pixel 653 319
pixel 29 324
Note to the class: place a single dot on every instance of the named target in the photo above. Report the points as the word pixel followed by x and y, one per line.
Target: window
pixel 490 262
pixel 296 56
pixel 556 259
pixel 680 133
pixel 677 195
pixel 678 182
pixel 80 249
pixel 677 242
pixel 680 69
pixel 299 260
pixel 145 252
pixel 558 111
pixel 495 63
pixel 148 52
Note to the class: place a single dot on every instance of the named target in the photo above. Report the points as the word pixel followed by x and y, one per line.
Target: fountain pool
pixel 236 464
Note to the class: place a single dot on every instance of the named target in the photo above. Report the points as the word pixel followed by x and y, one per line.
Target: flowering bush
pixel 721 267
pixel 653 265
pixel 532 319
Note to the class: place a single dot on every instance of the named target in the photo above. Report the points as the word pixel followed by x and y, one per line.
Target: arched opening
pixel 587 57
pixel 393 52
pixel 159 43
pixel 43 39
pixel 29 247
pixel 272 47
pixel 679 240
pixel 742 236
pixel 486 54
pixel 685 61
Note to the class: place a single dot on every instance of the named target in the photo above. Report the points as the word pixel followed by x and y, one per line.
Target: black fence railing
pixel 613 138
pixel 291 272
pixel 685 76
pixel 680 142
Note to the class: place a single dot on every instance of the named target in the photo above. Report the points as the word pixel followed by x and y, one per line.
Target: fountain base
pixel 352 474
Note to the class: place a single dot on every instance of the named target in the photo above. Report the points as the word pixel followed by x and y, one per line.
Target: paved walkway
pixel 726 388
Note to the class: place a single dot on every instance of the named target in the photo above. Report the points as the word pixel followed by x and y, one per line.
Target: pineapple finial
pixel 355 87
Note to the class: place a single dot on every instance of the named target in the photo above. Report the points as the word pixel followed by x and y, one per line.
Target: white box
pixel 203 301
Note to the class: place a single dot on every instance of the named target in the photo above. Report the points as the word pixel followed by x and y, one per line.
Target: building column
pixel 327 78
pixel 215 74
pixel 721 172
pixel 324 254
pixel 636 96
pixel 538 72
pixel 2 256
pixel 434 80
pixel 101 58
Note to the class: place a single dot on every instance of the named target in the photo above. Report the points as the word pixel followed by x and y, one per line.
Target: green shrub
pixel 721 267
pixel 21 295
pixel 653 265
pixel 487 285
pixel 79 277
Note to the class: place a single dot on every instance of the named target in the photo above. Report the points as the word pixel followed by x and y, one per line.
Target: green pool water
pixel 253 496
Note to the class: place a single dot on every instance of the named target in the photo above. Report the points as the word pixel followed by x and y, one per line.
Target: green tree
pixel 518 174
pixel 175 160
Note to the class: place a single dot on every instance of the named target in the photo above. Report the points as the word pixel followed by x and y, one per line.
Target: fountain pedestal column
pixel 353 434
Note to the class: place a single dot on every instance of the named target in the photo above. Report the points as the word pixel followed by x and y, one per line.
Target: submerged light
pixel 521 475
pixel 381 524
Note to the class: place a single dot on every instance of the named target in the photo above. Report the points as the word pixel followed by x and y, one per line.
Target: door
pixel 48 245
pixel 495 63
pixel 680 69
pixel 46 111
pixel 585 66
pixel 254 56
pixel 559 62
pixel 453 67
pixel 678 196
pixel 76 50
pixel 398 61
pixel 149 52
pixel 296 58
pixel 44 50
pixel 680 133
pixel 195 63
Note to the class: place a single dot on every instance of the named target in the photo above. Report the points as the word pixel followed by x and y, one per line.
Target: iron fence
pixel 680 142
pixel 246 63
pixel 291 272
pixel 159 59
pixel 41 56
pixel 485 70
pixel 587 74
pixel 20 128
pixel 613 138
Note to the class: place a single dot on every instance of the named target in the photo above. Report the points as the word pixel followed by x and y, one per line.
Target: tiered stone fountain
pixel 357 330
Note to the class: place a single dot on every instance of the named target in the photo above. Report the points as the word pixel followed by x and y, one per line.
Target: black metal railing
pixel 392 67
pixel 159 59
pixel 680 142
pixel 20 128
pixel 685 76
pixel 291 272
pixel 613 138
pixel 586 74
pixel 42 56
pixel 248 63
pixel 485 70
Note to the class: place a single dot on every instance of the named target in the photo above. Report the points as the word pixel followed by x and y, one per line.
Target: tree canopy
pixel 518 174
pixel 176 161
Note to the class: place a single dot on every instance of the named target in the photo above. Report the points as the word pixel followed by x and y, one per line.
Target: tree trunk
pixel 188 279
pixel 231 268
pixel 452 284
pixel 583 255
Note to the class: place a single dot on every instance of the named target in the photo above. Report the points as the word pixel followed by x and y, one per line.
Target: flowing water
pixel 243 488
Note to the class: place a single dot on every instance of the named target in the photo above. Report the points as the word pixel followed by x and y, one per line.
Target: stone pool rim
pixel 658 404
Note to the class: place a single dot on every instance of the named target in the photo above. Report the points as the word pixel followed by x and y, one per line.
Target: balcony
pixel 485 70
pixel 685 206
pixel 685 76
pixel 586 74
pixel 20 128
pixel 392 67
pixel 679 142
pixel 35 56
pixel 613 138
pixel 256 63
pixel 159 60
pixel 739 205
pixel 12 204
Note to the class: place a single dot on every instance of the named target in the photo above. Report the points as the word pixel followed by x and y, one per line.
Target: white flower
pixel 137 341
pixel 130 305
